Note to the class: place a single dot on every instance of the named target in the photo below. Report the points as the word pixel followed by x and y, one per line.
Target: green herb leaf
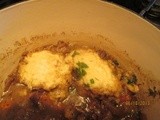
pixel 82 65
pixel 86 85
pixel 80 72
pixel 75 53
pixel 92 81
pixel 132 80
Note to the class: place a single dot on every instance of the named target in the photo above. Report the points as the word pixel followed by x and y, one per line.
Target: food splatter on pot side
pixel 71 83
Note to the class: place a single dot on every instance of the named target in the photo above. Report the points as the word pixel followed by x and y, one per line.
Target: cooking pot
pixel 35 23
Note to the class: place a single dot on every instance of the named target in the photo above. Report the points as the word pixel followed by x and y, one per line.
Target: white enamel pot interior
pixel 23 26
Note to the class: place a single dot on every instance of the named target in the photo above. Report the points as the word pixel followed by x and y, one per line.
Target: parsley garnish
pixel 82 65
pixel 80 70
pixel 75 53
pixel 92 81
pixel 87 85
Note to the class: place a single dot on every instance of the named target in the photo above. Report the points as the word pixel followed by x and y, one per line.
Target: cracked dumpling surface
pixel 44 70
pixel 99 76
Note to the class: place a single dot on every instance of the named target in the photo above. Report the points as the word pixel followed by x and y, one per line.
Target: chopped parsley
pixel 87 85
pixel 153 92
pixel 92 81
pixel 132 80
pixel 75 53
pixel 82 65
pixel 80 70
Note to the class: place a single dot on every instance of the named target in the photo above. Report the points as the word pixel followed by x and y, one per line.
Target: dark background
pixel 6 3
